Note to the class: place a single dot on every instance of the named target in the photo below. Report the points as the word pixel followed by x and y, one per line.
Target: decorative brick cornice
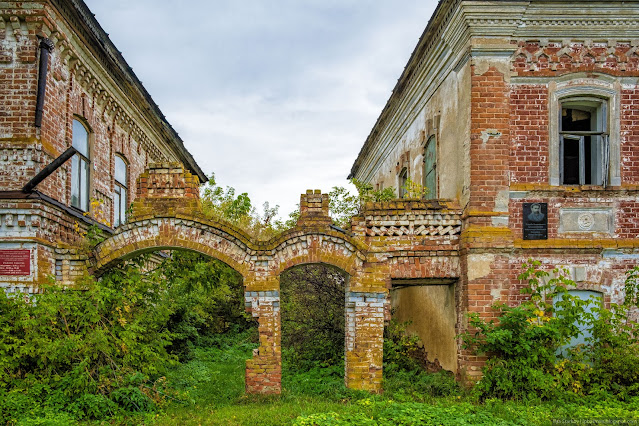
pixel 456 32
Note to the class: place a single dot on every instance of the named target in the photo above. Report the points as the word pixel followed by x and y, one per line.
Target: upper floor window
pixel 584 146
pixel 430 168
pixel 403 182
pixel 120 192
pixel 80 167
pixel 584 150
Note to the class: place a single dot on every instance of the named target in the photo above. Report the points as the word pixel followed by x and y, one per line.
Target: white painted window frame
pixel 606 88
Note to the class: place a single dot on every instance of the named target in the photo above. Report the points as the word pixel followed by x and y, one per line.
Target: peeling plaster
pixel 488 133
pixel 479 265
pixel 502 200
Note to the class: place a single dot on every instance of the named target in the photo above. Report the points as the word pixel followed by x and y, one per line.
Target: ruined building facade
pixel 525 115
pixel 520 117
pixel 64 84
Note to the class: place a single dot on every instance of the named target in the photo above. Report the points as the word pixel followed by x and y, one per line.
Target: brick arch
pixel 167 214
pixel 214 239
pixel 331 249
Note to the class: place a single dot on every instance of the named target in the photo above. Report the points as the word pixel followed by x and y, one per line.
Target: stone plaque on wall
pixel 15 262
pixel 589 220
pixel 535 221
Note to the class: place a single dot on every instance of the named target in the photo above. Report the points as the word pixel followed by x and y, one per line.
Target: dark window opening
pixel 120 192
pixel 584 156
pixel 80 167
pixel 403 181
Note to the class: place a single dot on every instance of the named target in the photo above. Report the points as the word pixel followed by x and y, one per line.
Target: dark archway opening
pixel 312 315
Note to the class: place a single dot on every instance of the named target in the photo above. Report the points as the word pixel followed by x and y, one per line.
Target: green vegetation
pixel 312 314
pixel 168 345
pixel 528 356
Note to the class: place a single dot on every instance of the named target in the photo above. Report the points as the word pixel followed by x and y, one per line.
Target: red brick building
pixel 526 115
pixel 64 84
pixel 519 116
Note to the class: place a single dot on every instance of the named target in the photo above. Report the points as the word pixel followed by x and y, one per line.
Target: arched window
pixel 120 192
pixel 593 299
pixel 402 181
pixel 430 168
pixel 80 167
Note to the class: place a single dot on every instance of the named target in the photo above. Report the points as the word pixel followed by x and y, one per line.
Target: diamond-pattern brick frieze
pixel 398 239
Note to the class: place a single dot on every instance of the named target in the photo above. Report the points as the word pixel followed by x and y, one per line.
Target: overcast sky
pixel 273 96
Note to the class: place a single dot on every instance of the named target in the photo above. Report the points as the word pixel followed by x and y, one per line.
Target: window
pixel 584 151
pixel 593 300
pixel 403 181
pixel 584 145
pixel 430 168
pixel 80 167
pixel 120 192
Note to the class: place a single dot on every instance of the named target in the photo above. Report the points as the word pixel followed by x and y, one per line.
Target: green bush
pixel 613 349
pixel 526 347
pixel 100 348
pixel 59 346
pixel 406 377
pixel 205 297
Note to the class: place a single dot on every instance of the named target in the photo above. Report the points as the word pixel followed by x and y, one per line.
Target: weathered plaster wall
pixel 446 115
pixel 431 312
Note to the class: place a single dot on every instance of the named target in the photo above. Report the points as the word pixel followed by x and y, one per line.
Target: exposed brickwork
pixel 490 137
pixel 120 121
pixel 494 105
pixel 364 340
pixel 314 209
pixel 559 58
pixel 174 189
pixel 630 136
pixel 529 133
pixel 400 239
pixel 264 370
pixel 491 256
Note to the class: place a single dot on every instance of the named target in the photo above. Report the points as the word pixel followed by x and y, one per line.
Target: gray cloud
pixel 276 96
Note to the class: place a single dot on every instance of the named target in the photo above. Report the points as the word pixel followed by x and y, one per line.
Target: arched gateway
pixel 411 241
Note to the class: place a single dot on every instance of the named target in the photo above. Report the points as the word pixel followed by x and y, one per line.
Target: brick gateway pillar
pixel 367 309
pixel 264 370
pixel 364 340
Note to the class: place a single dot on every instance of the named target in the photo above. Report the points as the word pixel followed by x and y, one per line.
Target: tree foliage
pixel 312 312
pixel 223 203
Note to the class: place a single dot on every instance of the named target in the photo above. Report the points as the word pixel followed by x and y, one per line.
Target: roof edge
pixel 440 11
pixel 112 60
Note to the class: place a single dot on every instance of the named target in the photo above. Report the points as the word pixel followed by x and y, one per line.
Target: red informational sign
pixel 15 262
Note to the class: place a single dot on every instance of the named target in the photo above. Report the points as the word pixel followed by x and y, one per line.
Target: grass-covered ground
pixel 209 390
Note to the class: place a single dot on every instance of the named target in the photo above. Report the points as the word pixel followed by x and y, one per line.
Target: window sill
pixel 580 188
pixel 571 188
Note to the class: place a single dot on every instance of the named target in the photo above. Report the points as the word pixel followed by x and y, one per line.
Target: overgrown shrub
pixel 613 349
pixel 59 346
pixel 100 347
pixel 526 346
pixel 205 296
pixel 408 375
